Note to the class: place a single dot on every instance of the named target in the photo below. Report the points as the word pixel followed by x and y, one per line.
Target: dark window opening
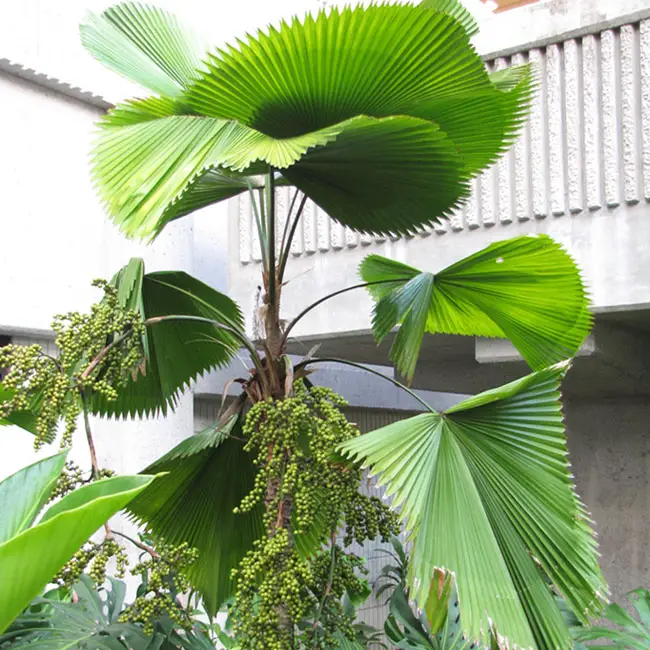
pixel 4 340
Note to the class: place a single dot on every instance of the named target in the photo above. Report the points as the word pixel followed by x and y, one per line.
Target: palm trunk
pixel 282 519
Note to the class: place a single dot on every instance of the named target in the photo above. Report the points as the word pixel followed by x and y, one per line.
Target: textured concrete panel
pixel 609 443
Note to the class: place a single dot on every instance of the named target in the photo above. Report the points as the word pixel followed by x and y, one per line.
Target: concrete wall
pixel 56 240
pixel 609 445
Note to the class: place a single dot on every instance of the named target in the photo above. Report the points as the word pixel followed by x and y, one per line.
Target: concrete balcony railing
pixel 580 172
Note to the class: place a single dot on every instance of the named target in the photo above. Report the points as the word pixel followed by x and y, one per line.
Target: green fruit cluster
pixel 93 557
pixel 98 352
pixel 71 477
pixel 335 572
pixel 163 578
pixel 271 593
pixel 306 489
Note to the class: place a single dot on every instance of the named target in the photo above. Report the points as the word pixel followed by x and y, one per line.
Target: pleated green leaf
pixel 208 476
pixel 380 114
pixel 24 493
pixel 143 166
pixel 379 60
pixel 176 351
pixel 354 178
pixel 527 289
pixel 455 9
pixel 29 559
pixel 486 493
pixel 144 44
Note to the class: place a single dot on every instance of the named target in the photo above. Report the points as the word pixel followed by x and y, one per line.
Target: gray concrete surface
pixel 609 446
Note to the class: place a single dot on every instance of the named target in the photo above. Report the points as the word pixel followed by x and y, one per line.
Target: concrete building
pixel 580 172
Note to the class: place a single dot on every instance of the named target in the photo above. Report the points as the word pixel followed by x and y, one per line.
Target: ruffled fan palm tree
pixel 381 115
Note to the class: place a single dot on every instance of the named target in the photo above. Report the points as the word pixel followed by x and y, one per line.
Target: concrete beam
pixel 502 350
pixel 551 21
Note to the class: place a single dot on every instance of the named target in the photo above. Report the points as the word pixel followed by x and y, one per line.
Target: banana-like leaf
pixel 380 114
pixel 207 476
pixel 30 558
pixel 176 351
pixel 486 493
pixel 527 289
pixel 24 494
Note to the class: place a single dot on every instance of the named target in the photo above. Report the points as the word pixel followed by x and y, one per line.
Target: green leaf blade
pixel 176 350
pixel 144 44
pixel 24 493
pixel 500 459
pixel 207 477
pixel 527 289
pixel 29 560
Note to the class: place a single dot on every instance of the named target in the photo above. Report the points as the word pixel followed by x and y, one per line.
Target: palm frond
pixel 380 114
pixel 176 351
pixel 527 289
pixel 144 44
pixel 455 9
pixel 206 478
pixel 486 493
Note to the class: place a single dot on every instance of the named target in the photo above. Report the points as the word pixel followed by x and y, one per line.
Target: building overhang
pixel 614 361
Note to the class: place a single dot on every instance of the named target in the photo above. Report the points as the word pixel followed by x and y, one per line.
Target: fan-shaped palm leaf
pixel 393 93
pixel 144 44
pixel 527 289
pixel 208 474
pixel 455 9
pixel 176 350
pixel 486 492
pixel 207 477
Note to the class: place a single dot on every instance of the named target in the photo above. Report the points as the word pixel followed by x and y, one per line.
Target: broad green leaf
pixel 176 351
pixel 144 44
pixel 24 493
pixel 89 622
pixel 381 60
pixel 355 178
pixel 486 493
pixel 302 98
pixel 30 559
pixel 527 289
pixel 143 166
pixel 208 476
